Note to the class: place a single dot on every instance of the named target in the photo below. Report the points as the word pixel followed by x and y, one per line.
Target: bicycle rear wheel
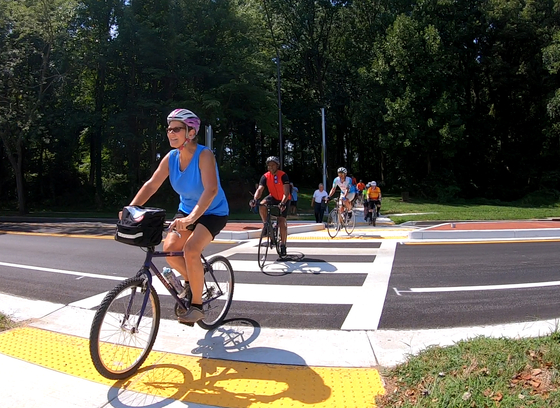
pixel 121 336
pixel 262 251
pixel 333 223
pixel 217 293
pixel 349 221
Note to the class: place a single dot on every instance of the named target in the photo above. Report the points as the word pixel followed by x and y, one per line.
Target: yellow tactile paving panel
pixel 202 380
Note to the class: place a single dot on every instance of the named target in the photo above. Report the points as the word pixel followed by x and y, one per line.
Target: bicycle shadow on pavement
pixel 229 373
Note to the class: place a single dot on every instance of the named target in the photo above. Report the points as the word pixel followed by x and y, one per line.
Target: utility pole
pixel 324 148
pixel 279 110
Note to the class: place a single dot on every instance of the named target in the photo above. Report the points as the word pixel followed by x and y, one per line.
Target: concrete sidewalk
pixel 481 230
pixel 46 362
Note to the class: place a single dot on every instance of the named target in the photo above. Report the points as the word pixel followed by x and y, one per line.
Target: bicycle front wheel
pixel 276 234
pixel 262 251
pixel 349 221
pixel 333 223
pixel 217 293
pixel 121 335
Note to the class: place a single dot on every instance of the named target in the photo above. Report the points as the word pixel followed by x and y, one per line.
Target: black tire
pixel 217 293
pixel 116 347
pixel 276 232
pixel 349 223
pixel 262 251
pixel 333 223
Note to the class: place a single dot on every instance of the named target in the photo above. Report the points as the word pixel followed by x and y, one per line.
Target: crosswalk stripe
pixel 298 267
pixel 313 251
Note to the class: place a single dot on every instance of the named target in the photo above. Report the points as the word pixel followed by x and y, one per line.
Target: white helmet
pixel 342 170
pixel 186 116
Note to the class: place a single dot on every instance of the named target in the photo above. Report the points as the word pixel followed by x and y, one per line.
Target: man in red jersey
pixel 278 185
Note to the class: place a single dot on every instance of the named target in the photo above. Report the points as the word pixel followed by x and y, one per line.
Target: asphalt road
pixel 472 284
pixel 430 286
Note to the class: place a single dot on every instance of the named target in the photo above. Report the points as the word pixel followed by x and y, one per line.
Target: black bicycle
pixel 126 324
pixel 373 212
pixel 270 235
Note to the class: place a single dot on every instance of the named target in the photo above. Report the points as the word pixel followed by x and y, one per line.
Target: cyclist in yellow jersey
pixel 374 200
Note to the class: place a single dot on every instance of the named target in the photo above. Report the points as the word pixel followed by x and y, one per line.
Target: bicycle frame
pixel 149 266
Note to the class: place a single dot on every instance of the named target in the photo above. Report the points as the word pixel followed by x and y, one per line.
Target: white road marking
pixel 322 295
pixel 319 268
pixel 368 302
pixel 478 287
pixel 62 271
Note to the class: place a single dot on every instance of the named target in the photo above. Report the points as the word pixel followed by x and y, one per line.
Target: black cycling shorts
pixel 213 223
pixel 273 201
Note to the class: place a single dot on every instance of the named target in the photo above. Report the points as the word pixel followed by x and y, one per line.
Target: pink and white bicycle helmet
pixel 186 116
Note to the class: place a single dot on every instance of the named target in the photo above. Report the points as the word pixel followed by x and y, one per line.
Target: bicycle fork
pixel 147 288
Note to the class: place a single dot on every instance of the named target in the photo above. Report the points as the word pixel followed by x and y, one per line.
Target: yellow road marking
pixel 54 234
pixel 207 381
pixel 51 234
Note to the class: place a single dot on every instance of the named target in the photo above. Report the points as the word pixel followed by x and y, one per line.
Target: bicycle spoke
pixel 121 337
pixel 217 293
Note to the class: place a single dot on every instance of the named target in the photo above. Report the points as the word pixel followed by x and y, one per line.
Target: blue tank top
pixel 188 184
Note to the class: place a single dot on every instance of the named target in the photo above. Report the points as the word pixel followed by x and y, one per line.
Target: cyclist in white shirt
pixel 347 189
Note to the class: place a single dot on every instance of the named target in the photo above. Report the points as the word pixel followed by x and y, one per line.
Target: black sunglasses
pixel 176 129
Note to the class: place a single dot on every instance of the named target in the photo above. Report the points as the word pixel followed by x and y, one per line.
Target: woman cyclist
pixel 203 208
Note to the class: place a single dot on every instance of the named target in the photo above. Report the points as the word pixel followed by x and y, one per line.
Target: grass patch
pixel 392 206
pixel 464 210
pixel 5 322
pixel 481 372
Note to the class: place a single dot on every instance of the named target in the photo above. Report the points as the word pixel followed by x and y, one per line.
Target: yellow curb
pixel 223 383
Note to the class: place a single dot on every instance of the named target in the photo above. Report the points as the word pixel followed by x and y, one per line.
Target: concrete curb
pixel 480 234
pixel 242 235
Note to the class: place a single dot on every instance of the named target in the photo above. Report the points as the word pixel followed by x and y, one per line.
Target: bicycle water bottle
pixel 172 279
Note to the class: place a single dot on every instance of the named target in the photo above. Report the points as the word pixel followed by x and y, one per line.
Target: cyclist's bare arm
pixel 153 184
pixel 257 194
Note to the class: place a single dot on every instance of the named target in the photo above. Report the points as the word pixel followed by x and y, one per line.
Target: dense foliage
pixel 441 98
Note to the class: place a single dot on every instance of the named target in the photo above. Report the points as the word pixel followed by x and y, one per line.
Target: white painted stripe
pixel 369 300
pixel 249 292
pixel 95 300
pixel 320 268
pixel 62 271
pixel 326 295
pixel 89 302
pixel 313 252
pixel 482 287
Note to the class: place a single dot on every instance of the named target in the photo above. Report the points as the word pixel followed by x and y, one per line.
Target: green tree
pixel 31 33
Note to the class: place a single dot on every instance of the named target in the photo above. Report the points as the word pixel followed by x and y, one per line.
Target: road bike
pixel 337 220
pixel 270 235
pixel 126 324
